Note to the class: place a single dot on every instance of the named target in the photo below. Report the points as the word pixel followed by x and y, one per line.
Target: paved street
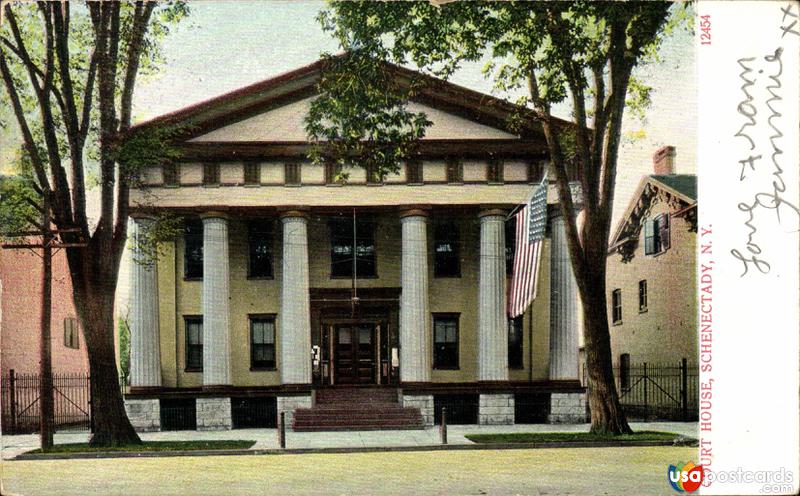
pixel 587 471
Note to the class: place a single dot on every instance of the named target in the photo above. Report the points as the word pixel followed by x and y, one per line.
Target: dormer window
pixel 656 235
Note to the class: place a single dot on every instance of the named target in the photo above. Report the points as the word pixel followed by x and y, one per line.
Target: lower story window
pixel 445 341
pixel 194 344
pixel 515 343
pixel 71 333
pixel 262 342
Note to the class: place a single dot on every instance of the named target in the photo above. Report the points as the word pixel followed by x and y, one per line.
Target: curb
pixel 355 449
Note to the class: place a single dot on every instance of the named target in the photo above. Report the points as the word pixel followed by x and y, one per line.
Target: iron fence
pixel 657 391
pixel 20 402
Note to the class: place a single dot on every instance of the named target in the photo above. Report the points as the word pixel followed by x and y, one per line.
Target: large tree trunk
pixel 606 410
pixel 111 425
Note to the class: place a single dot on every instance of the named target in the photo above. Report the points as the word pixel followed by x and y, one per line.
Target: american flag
pixel 530 230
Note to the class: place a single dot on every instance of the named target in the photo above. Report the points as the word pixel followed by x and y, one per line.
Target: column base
pixel 145 415
pixel 496 409
pixel 213 414
pixel 567 408
pixel 288 404
pixel 424 402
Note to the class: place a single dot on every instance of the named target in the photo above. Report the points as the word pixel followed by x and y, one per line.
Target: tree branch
pixel 142 14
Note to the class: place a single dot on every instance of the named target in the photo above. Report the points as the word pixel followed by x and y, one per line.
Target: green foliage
pixel 124 332
pixel 146 147
pixel 17 200
pixel 150 238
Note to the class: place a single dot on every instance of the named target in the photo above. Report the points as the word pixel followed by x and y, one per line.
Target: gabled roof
pixel 300 83
pixel 679 188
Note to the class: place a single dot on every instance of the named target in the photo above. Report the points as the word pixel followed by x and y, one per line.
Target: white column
pixel 145 349
pixel 216 295
pixel 295 321
pixel 565 317
pixel 415 327
pixel 492 321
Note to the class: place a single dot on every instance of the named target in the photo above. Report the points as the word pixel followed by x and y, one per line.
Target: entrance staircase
pixel 348 409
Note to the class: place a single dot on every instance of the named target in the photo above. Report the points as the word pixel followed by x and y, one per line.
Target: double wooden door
pixel 355 353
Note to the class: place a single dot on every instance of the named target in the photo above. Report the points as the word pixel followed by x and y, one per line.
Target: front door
pixel 354 353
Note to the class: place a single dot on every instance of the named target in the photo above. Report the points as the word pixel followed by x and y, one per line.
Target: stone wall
pixel 424 403
pixel 288 404
pixel 213 414
pixel 496 409
pixel 145 415
pixel 567 408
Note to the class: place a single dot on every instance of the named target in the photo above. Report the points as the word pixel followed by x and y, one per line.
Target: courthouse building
pixel 371 303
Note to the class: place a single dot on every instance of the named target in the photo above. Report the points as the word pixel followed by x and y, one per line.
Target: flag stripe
pixel 530 229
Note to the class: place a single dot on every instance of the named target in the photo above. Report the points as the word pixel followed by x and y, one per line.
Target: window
pixel 332 171
pixel 515 343
pixel 494 171
pixel 194 343
pixel 71 333
pixel 414 172
pixel 193 249
pixel 625 371
pixel 259 243
pixel 252 173
pixel 616 306
pixel 171 176
pixel 211 174
pixel 342 248
pixel 445 341
pixel 656 235
pixel 643 295
pixel 535 171
pixel 455 170
pixel 446 251
pixel 511 244
pixel 291 173
pixel 262 342
pixel 373 176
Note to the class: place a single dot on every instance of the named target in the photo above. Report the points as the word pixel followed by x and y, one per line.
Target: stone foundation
pixel 145 415
pixel 424 403
pixel 288 404
pixel 567 408
pixel 213 414
pixel 496 409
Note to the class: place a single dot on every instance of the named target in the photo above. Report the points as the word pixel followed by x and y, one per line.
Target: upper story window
pixel 262 342
pixel 193 249
pixel 341 231
pixel 515 343
pixel 252 173
pixel 643 295
pixel 171 174
pixel 494 171
pixel 194 343
pixel 616 306
pixel 535 170
pixel 446 250
pixel 71 333
pixel 445 341
pixel 656 235
pixel 414 172
pixel 259 243
pixel 291 174
pixel 332 172
pixel 455 170
pixel 211 174
pixel 373 176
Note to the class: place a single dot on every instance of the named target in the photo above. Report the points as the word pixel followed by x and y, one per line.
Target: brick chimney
pixel 664 160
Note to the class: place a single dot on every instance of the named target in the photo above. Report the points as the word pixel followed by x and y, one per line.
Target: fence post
pixel 282 430
pixel 443 426
pixel 684 389
pixel 644 370
pixel 12 389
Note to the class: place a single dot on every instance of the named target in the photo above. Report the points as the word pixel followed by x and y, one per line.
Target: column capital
pixel 294 213
pixel 214 214
pixel 492 212
pixel 414 212
pixel 141 216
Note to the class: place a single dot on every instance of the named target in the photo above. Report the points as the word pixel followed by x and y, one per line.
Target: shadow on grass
pixel 566 437
pixel 152 446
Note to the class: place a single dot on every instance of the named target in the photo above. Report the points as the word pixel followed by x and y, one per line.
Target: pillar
pixel 295 323
pixel 145 351
pixel 565 318
pixel 216 295
pixel 415 321
pixel 492 320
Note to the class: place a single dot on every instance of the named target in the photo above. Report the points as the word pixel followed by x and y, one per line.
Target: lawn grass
pixel 152 446
pixel 577 437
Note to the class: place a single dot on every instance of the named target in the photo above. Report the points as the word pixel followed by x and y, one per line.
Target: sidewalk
pixel 268 438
